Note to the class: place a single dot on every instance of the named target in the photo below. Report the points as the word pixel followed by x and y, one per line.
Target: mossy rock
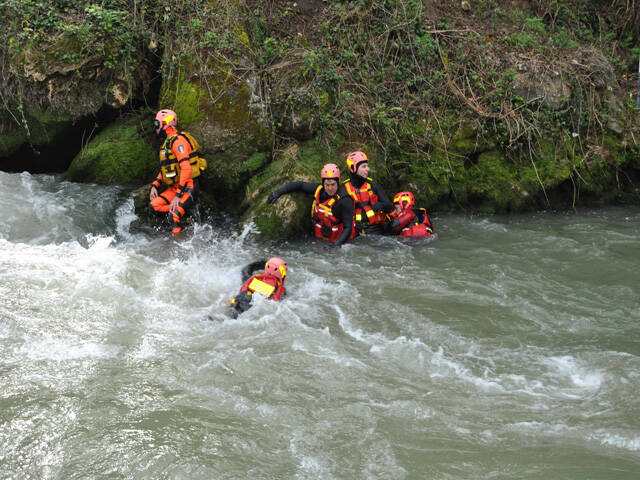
pixel 289 216
pixel 68 76
pixel 37 128
pixel 232 131
pixel 423 176
pixel 229 171
pixel 490 185
pixel 117 155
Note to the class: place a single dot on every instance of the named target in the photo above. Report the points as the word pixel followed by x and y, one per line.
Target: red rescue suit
pixel 411 222
pixel 325 224
pixel 364 197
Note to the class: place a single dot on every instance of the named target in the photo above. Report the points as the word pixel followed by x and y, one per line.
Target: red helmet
pixel 405 199
pixel 330 171
pixel 354 159
pixel 164 118
pixel 277 267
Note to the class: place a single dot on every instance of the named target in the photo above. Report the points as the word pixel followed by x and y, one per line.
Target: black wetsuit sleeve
pixel 248 270
pixel 344 213
pixel 383 202
pixel 305 187
pixel 422 217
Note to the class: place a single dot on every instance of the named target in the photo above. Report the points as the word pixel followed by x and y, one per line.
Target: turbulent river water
pixel 506 347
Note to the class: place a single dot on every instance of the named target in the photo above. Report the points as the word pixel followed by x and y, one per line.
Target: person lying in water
pixel 269 284
pixel 332 210
pixel 406 219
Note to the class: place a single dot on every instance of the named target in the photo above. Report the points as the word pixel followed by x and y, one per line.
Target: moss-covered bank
pixel 488 105
pixel 118 155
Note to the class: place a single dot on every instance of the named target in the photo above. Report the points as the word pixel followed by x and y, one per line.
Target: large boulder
pixel 289 216
pixel 65 67
pixel 225 115
pixel 119 154
pixel 26 137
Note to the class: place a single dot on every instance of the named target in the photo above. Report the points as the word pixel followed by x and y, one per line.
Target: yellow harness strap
pixel 327 207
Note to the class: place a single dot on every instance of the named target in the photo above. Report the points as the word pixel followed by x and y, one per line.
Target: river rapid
pixel 506 347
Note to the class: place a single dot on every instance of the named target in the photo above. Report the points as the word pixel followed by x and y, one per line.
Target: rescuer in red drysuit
pixel 332 209
pixel 269 284
pixel 371 202
pixel 406 219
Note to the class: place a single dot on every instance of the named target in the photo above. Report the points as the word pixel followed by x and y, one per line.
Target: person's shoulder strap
pixel 187 137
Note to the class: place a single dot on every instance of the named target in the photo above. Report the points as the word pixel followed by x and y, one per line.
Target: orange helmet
pixel 405 199
pixel 277 267
pixel 164 118
pixel 354 159
pixel 330 171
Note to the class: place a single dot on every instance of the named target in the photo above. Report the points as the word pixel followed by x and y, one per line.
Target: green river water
pixel 507 347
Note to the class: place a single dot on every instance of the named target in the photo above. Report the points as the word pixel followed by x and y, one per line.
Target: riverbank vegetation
pixel 482 105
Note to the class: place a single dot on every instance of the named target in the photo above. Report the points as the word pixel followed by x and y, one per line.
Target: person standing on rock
pixel 371 202
pixel 332 210
pixel 175 189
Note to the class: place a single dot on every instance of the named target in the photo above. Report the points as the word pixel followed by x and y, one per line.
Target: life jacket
pixel 366 196
pixel 266 285
pixel 169 165
pixel 325 224
pixel 414 222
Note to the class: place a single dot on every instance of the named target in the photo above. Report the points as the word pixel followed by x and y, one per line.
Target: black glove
pixel 241 303
pixel 273 196
pixel 244 299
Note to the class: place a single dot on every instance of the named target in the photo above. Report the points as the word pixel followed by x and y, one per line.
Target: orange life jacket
pixel 325 224
pixel 366 196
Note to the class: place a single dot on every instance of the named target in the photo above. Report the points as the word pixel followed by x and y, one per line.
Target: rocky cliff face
pixel 486 105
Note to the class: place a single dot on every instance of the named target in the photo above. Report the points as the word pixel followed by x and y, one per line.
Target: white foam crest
pixel 313 467
pixel 447 367
pixel 488 225
pixel 618 439
pixel 125 216
pixel 400 408
pixel 629 442
pixel 401 348
pixel 566 367
pixel 60 350
pixel 217 359
pixel 66 264
pixel 539 427
pixel 42 209
pixel 318 351
pixel 146 349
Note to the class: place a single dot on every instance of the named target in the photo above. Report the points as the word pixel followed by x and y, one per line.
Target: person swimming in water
pixel 269 284
pixel 406 219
